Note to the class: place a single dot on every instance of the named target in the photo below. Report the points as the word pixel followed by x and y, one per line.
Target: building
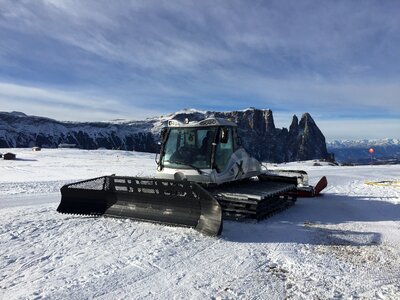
pixel 9 156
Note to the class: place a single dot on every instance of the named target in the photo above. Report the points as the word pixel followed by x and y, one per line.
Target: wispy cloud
pixel 183 34
pixel 332 58
pixel 64 105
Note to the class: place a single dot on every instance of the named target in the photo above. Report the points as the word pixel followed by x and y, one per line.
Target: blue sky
pixel 102 60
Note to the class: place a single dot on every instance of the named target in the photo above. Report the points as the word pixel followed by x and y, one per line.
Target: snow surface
pixel 344 244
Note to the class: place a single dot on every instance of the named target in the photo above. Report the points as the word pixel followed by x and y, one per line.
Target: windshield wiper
pixel 186 164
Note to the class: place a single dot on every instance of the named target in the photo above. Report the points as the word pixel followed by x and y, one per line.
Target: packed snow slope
pixel 344 244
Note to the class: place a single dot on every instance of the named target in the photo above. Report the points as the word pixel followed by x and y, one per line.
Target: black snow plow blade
pixel 177 203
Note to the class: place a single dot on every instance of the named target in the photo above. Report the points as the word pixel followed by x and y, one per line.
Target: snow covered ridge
pixel 302 141
pixel 363 143
pixel 20 130
pixel 357 151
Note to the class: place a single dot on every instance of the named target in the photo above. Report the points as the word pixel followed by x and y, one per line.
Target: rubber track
pixel 254 199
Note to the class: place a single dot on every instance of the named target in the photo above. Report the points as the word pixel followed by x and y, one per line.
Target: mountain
pixel 264 141
pixel 19 130
pixel 357 151
pixel 260 137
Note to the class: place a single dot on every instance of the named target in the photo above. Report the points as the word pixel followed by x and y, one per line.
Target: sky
pixel 102 60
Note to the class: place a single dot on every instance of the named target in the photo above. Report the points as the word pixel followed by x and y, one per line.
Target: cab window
pixel 189 147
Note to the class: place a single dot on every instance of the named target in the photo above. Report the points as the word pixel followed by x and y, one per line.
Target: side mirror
pixel 223 137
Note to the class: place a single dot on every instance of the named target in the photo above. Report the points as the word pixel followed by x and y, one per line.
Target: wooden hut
pixel 9 156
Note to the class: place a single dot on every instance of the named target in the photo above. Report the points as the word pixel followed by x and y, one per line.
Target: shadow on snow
pixel 25 159
pixel 313 220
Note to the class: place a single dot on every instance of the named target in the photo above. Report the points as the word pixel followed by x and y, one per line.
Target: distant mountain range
pixel 302 141
pixel 357 151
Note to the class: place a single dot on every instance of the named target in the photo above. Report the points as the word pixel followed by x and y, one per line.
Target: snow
pixel 344 244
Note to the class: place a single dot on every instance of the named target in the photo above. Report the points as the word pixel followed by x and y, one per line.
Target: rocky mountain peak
pixel 305 120
pixel 310 134
pixel 294 126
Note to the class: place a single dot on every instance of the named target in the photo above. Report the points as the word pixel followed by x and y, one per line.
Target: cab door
pixel 225 147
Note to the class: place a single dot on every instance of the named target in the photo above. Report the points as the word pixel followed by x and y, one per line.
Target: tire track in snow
pixel 128 275
pixel 265 278
pixel 60 244
pixel 33 187
pixel 193 261
pixel 161 274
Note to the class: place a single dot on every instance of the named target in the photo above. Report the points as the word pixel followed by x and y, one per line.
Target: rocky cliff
pixel 264 141
pixel 260 137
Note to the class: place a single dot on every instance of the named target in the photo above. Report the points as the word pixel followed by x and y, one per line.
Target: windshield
pixel 189 148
